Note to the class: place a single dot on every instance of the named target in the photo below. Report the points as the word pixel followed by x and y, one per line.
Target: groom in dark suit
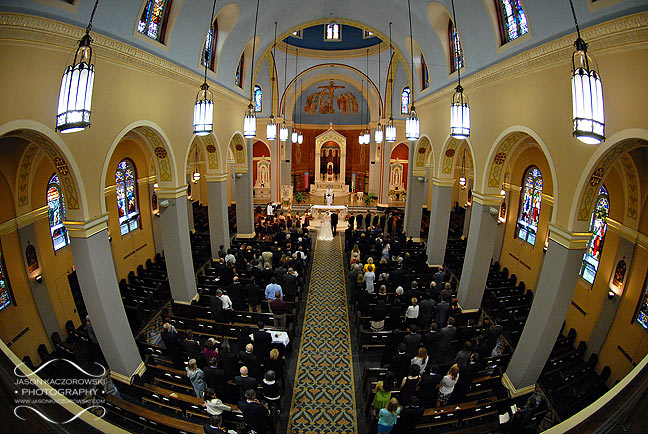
pixel 334 222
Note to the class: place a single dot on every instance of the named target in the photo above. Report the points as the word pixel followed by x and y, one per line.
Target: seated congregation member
pixel 276 364
pixel 428 388
pixel 251 360
pixel 215 377
pixel 271 392
pixel 279 308
pixel 388 416
pixel 213 405
pixel 244 381
pixel 253 293
pixel 262 340
pixel 409 385
pixel 421 359
pixel 378 315
pixel 412 313
pixel 412 341
pixel 400 363
pixel 382 392
pixel 255 414
pixel 410 416
pixel 197 377
pixel 447 385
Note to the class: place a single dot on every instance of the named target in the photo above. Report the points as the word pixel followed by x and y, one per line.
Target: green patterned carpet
pixel 323 396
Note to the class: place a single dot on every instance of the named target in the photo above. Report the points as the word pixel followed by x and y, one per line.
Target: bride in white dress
pixel 326 234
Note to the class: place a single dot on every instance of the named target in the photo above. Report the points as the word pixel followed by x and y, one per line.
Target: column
pixel 217 212
pixel 551 301
pixel 155 222
pixel 285 158
pixel 468 208
pixel 177 246
pixel 483 223
pixel 439 220
pixel 415 197
pixel 39 290
pixel 194 187
pixel 244 201
pixel 610 305
pixel 98 281
pixel 385 155
pixel 374 168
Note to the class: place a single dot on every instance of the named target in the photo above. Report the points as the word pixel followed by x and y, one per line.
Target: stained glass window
pixel 513 22
pixel 456 53
pixel 56 212
pixel 598 226
pixel 529 215
pixel 642 309
pixel 126 187
pixel 5 287
pixel 425 76
pixel 209 50
pixel 152 23
pixel 258 98
pixel 405 100
pixel 333 32
pixel 238 78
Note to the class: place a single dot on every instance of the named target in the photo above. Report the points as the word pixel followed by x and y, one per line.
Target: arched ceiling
pixel 547 19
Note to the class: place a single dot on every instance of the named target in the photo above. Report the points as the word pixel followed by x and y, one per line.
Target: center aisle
pixel 323 395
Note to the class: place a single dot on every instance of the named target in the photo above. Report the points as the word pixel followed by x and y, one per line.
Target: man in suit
pixel 244 381
pixel 368 220
pixel 255 414
pixel 254 295
pixel 441 312
pixel 412 341
pixel 400 363
pixel 173 346
pixel 375 221
pixel 262 341
pixel 390 222
pixel 351 221
pixel 215 377
pixel 334 222
pixel 290 284
pixel 468 373
pixel 381 222
pixel 428 390
pixel 358 221
pixel 249 359
pixel 431 340
pixel 410 417
pixel 447 334
pixel 235 293
pixel 438 277
pixel 426 309
pixel 214 425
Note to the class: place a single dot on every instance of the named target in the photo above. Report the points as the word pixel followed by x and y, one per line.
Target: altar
pixel 318 210
pixel 330 164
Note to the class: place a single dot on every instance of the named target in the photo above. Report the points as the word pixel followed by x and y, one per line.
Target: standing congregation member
pixel 255 414
pixel 278 307
pixel 197 378
pixel 388 416
pixel 272 289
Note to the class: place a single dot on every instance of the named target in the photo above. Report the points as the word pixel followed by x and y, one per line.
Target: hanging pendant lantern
pixel 271 129
pixel 587 97
pixel 412 126
pixel 294 137
pixel 249 124
pixel 367 137
pixel 283 132
pixel 378 134
pixel 462 181
pixel 390 131
pixel 203 122
pixel 459 115
pixel 300 138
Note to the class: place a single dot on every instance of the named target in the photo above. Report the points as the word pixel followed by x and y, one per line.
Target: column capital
pixel 487 199
pixel 443 182
pixel 514 392
pixel 567 239
pixel 216 178
pixel 87 228
pixel 626 232
pixel 171 193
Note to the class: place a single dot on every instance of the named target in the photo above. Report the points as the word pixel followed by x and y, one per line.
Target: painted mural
pixel 331 101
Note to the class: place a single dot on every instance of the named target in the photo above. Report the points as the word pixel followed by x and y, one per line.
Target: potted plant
pixel 300 197
pixel 370 198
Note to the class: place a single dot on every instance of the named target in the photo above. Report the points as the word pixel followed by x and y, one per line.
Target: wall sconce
pixel 164 204
pixel 39 278
pixel 611 294
pixel 238 175
pixel 421 179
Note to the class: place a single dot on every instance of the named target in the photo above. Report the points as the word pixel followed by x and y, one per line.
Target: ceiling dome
pixel 348 38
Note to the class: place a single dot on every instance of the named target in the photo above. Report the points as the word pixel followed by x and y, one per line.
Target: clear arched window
pixel 209 50
pixel 126 188
pixel 238 77
pixel 56 212
pixel 154 19
pixel 425 76
pixel 512 19
pixel 598 227
pixel 456 53
pixel 529 214
pixel 258 98
pixel 405 100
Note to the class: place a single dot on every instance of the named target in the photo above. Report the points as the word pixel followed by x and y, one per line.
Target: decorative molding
pixel 30 28
pixel 215 178
pixel 171 193
pixel 569 240
pixel 487 199
pixel 23 220
pixel 88 228
pixel 443 182
pixel 246 236
pixel 513 391
pixel 622 32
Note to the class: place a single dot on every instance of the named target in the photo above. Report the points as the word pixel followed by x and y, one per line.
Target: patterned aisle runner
pixel 323 397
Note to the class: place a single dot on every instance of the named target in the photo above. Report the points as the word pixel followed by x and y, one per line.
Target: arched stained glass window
pixel 153 21
pixel 6 296
pixel 512 19
pixel 126 187
pixel 238 78
pixel 598 227
pixel 56 212
pixel 531 199
pixel 209 50
pixel 456 53
pixel 425 76
pixel 405 100
pixel 642 308
pixel 258 98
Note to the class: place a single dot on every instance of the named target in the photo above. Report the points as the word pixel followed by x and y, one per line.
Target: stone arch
pixel 158 144
pixel 57 150
pixel 209 146
pixel 603 159
pixel 423 157
pixel 450 154
pixel 238 147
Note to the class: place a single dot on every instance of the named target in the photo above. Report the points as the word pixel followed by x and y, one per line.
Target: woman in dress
pixel 197 378
pixel 355 254
pixel 388 416
pixel 412 312
pixel 382 392
pixel 370 276
pixel 409 384
pixel 326 234
pixel 446 387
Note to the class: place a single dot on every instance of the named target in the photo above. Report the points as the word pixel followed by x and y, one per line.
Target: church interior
pixel 169 168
